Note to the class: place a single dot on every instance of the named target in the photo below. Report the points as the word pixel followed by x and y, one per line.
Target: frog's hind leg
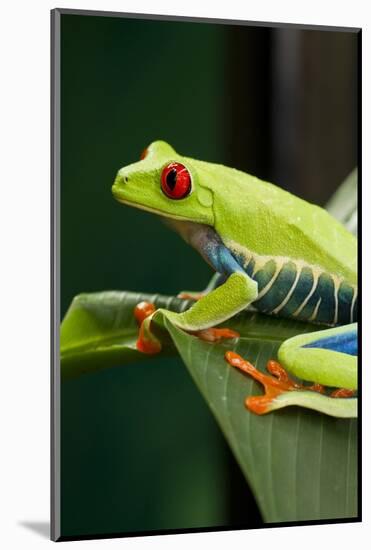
pixel 329 356
pixel 335 366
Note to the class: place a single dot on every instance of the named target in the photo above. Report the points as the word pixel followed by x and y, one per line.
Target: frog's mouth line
pixel 158 212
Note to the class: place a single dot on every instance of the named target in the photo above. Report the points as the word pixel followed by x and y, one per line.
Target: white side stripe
pixel 314 286
pixel 289 294
pixel 315 312
pixel 269 285
pixel 336 291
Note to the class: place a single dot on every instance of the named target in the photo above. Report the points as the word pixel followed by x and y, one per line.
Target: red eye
pixel 144 153
pixel 176 181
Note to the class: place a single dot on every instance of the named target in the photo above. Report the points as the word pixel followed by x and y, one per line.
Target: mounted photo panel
pixel 204 277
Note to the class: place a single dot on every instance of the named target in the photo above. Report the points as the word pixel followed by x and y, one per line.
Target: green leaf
pixel 301 465
pixel 99 330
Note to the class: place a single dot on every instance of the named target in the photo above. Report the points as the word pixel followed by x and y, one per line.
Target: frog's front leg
pixel 214 308
pixel 327 358
pixel 225 301
pixel 216 280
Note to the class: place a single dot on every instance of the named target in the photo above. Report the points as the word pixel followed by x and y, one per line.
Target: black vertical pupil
pixel 171 179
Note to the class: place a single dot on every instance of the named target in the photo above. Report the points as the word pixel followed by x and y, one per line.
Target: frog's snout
pixel 121 179
pixel 119 184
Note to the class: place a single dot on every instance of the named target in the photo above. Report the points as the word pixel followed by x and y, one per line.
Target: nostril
pixel 126 179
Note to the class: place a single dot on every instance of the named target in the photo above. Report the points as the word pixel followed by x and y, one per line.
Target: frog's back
pixel 303 259
pixel 268 221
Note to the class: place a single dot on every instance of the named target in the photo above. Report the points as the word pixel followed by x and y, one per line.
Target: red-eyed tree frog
pixel 270 250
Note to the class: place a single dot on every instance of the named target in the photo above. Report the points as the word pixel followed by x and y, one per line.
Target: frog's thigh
pixel 327 357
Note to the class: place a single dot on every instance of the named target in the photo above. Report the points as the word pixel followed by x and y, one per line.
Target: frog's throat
pixel 164 215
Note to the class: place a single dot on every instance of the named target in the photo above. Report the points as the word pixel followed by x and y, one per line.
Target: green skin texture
pixel 268 221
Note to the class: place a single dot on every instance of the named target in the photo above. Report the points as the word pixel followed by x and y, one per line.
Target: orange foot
pixel 342 392
pixel 147 345
pixel 186 296
pixel 274 385
pixel 143 310
pixel 215 334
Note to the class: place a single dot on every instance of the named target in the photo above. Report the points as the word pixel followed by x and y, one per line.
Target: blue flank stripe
pixel 324 289
pixel 280 288
pixel 345 297
pixel 344 343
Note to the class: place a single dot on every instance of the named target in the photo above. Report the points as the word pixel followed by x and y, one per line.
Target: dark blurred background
pixel 140 449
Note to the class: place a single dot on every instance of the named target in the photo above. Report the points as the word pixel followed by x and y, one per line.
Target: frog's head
pixel 165 183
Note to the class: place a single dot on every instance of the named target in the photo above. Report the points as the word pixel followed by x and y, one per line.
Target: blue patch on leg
pixel 347 342
pixel 218 255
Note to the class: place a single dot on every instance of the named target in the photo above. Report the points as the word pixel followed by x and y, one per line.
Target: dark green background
pixel 140 449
